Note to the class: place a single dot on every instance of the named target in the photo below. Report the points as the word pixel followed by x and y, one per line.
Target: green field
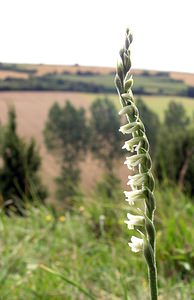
pixel 148 84
pixel 159 104
pixel 63 256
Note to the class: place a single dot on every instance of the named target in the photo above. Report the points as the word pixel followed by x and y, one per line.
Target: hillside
pixel 23 71
pixel 32 106
pixel 15 77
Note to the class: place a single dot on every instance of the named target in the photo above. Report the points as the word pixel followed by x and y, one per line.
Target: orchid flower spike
pixel 141 182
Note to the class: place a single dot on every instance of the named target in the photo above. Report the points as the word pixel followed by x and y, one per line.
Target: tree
pixel 67 135
pixel 106 140
pixel 66 131
pixel 175 150
pixel 169 154
pixel 175 116
pixel 106 143
pixel 151 123
pixel 68 185
pixel 20 164
pixel 175 157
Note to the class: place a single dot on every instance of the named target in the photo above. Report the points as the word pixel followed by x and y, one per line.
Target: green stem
pixel 152 274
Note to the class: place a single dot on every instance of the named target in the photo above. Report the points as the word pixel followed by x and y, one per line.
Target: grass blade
pixel 82 290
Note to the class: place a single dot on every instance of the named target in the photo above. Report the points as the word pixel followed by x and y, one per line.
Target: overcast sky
pixel 91 32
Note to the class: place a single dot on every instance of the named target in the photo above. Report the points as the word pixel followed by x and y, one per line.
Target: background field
pixel 32 110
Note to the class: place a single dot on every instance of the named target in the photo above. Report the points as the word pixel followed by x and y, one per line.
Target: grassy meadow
pixel 52 253
pixel 55 255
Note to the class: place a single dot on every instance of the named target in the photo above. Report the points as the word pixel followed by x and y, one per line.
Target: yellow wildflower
pixel 62 218
pixel 48 218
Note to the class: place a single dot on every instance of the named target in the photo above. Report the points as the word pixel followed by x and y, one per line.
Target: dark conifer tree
pixel 19 180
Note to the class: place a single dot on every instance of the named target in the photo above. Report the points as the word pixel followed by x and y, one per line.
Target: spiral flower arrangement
pixel 140 197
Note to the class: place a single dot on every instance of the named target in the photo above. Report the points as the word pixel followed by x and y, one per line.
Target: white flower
pixel 141 180
pixel 139 159
pixel 136 244
pixel 130 127
pixel 132 144
pixel 134 160
pixel 136 143
pixel 134 221
pixel 134 196
pixel 137 180
pixel 129 109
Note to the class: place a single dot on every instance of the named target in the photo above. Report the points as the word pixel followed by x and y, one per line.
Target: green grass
pixel 47 257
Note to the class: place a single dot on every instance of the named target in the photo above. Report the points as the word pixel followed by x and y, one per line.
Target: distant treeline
pixel 146 84
pixel 46 83
pixel 16 68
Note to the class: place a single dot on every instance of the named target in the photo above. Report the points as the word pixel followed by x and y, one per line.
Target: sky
pixel 91 32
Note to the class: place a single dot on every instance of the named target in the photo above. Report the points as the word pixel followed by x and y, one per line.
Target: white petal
pixel 136 244
pixel 134 220
pixel 135 195
pixel 129 225
pixel 133 248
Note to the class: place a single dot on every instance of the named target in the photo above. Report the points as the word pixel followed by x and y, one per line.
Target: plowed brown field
pixel 32 110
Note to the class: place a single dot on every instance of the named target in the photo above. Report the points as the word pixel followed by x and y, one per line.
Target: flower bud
pixel 118 83
pixel 130 110
pixel 128 84
pixel 121 52
pixel 126 62
pixel 120 70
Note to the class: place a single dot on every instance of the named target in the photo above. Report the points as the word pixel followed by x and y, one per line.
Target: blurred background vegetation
pixel 69 225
